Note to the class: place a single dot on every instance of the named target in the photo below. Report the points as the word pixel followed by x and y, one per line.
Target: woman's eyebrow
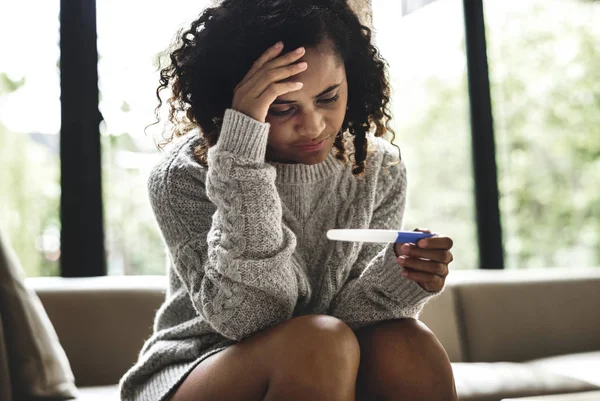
pixel 329 89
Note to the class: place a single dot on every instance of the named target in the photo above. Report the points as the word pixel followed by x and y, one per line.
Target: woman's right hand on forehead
pixel 260 87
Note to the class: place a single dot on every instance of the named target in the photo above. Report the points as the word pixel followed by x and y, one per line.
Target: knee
pixel 403 359
pixel 320 338
pixel 314 348
pixel 408 337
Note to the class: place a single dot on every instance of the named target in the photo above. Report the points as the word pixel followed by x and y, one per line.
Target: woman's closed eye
pixel 331 99
pixel 288 111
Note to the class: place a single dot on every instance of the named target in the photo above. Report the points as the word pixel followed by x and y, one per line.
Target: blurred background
pixel 543 58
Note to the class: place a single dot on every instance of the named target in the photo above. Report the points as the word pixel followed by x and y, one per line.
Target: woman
pixel 279 146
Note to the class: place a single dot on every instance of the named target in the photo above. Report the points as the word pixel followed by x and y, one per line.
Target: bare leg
pixel 403 360
pixel 310 357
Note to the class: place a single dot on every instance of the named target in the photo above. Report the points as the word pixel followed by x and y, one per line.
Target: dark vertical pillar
pixel 82 234
pixel 489 231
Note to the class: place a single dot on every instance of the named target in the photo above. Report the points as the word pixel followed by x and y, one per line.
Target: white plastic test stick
pixel 366 235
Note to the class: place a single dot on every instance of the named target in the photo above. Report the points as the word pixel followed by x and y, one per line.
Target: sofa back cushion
pixel 440 316
pixel 102 322
pixel 93 315
pixel 481 316
pixel 518 316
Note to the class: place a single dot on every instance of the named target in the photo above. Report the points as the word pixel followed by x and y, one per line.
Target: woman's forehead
pixel 323 68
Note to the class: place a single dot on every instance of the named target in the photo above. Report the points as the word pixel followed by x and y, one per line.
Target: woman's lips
pixel 312 148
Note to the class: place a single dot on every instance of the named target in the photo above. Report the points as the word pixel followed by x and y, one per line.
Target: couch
pixel 508 333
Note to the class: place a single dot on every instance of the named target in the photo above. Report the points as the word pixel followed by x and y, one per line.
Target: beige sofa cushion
pixel 102 322
pixel 440 316
pixel 99 393
pixel 584 366
pixel 585 396
pixel 520 316
pixel 498 380
pixel 37 363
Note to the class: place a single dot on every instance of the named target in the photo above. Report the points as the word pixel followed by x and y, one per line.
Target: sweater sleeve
pixel 225 236
pixel 375 289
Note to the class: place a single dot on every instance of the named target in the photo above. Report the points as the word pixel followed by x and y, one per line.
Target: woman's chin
pixel 316 157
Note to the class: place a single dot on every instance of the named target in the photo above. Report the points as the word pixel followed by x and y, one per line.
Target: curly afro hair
pixel 210 58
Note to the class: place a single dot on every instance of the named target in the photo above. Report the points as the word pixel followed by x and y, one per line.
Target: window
pixel 129 46
pixel 29 133
pixel 545 84
pixel 426 53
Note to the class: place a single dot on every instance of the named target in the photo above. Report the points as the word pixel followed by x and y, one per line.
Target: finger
pixel 268 55
pixel 274 76
pixel 437 255
pixel 423 230
pixel 285 59
pixel 436 243
pixel 426 266
pixel 430 282
pixel 271 64
pixel 278 89
pixel 271 67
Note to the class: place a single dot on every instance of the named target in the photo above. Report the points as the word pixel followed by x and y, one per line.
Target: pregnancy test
pixel 366 235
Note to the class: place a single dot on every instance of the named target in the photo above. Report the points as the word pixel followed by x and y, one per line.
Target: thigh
pixel 232 374
pixel 296 359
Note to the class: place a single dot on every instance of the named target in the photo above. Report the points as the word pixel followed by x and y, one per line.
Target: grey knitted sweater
pixel 247 248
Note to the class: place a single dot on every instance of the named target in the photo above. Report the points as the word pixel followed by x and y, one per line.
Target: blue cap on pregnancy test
pixel 412 236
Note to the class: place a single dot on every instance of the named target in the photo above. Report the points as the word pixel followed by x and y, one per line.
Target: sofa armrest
pixel 5 382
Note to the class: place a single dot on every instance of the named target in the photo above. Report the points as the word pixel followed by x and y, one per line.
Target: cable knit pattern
pixel 247 248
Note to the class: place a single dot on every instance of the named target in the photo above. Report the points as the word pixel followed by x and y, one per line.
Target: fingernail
pixel 278 44
pixel 405 249
pixel 401 260
pixel 404 273
pixel 299 50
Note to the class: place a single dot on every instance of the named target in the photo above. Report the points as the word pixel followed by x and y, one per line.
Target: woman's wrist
pixel 243 135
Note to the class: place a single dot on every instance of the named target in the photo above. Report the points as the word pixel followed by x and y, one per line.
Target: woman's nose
pixel 313 125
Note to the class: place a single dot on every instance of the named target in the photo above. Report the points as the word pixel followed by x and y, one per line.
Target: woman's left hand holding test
pixel 427 261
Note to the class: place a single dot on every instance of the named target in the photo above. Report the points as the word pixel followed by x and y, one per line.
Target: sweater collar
pixel 304 173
